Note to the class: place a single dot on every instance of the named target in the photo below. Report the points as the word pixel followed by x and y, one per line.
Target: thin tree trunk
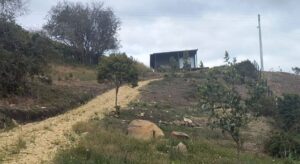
pixel 116 101
pixel 238 152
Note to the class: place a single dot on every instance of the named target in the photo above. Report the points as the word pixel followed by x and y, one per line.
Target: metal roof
pixel 193 51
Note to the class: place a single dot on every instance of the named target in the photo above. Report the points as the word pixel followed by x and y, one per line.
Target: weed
pixel 21 144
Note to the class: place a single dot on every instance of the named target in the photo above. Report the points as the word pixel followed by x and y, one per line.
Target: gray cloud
pixel 211 26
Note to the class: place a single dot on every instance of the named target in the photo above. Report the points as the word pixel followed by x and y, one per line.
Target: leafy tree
pixel 118 69
pixel 296 70
pixel 90 29
pixel 10 9
pixel 219 96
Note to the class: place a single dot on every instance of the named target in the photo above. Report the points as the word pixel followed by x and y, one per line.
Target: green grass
pixel 108 145
pixel 105 141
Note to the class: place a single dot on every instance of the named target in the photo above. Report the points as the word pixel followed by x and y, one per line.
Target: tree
pixel 10 9
pixel 91 29
pixel 118 69
pixel 201 64
pixel 296 70
pixel 219 96
pixel 174 65
pixel 226 57
pixel 186 61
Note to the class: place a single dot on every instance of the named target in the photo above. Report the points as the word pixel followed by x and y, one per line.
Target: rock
pixel 83 135
pixel 143 129
pixel 181 148
pixel 188 121
pixel 163 122
pixel 178 123
pixel 180 135
pixel 142 114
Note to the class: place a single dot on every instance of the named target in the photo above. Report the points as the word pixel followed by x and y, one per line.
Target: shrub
pixel 143 70
pixel 247 70
pixel 289 112
pixel 20 59
pixel 283 145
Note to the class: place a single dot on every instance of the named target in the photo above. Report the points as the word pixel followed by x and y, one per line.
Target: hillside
pixel 38 142
pixel 281 82
pixel 71 87
pixel 167 103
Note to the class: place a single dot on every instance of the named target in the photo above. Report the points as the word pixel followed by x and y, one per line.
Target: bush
pixel 265 106
pixel 247 70
pixel 143 70
pixel 283 145
pixel 20 58
pixel 289 112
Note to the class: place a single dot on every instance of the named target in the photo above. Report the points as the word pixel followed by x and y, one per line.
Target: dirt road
pixel 38 142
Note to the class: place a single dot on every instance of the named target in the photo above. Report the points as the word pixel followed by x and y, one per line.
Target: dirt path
pixel 38 142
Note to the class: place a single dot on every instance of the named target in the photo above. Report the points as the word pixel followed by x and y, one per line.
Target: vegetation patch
pixel 105 141
pixel 102 143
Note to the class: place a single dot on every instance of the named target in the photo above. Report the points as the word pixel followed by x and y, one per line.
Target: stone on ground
pixel 143 129
pixel 179 135
pixel 181 148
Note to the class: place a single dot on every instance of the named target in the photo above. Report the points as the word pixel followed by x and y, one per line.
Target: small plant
pixel 296 70
pixel 186 61
pixel 201 64
pixel 21 144
pixel 227 110
pixel 70 75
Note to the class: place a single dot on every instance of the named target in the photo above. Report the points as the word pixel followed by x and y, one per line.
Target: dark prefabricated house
pixel 162 59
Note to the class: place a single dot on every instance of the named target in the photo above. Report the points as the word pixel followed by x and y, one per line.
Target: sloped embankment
pixel 40 140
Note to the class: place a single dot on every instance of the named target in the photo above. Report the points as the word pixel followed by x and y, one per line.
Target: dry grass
pixel 73 73
pixel 281 82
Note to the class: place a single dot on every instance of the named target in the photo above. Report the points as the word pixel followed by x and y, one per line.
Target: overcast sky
pixel 211 26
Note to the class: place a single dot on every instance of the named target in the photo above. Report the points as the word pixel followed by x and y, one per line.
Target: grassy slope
pixel 71 87
pixel 165 102
pixel 281 82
